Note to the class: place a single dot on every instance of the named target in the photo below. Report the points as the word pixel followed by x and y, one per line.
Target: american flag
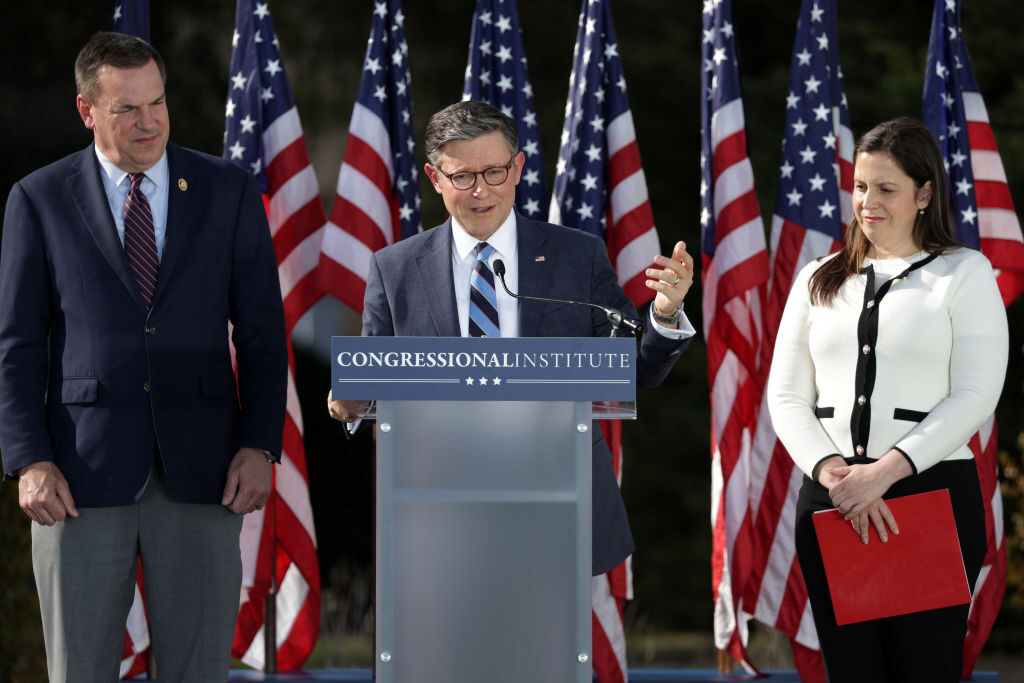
pixel 734 276
pixel 496 73
pixel 132 17
pixel 378 193
pixel 263 135
pixel 812 208
pixel 984 218
pixel 600 188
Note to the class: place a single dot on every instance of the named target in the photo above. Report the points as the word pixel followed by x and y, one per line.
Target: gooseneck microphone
pixel 615 316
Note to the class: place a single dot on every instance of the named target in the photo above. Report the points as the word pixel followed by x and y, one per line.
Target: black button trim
pixel 867 334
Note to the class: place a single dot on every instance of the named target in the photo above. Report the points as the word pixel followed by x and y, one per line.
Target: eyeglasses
pixel 466 180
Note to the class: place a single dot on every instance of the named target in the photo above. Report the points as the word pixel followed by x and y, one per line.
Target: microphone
pixel 615 316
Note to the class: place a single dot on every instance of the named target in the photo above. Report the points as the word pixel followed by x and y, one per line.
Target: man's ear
pixel 85 111
pixel 435 177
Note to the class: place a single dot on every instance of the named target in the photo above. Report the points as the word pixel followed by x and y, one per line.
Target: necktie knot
pixel 136 182
pixel 484 251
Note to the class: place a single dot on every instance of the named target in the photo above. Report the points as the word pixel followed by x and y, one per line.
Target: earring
pixel 920 212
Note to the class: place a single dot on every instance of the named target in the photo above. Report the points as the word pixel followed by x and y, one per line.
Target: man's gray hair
pixel 118 50
pixel 467 121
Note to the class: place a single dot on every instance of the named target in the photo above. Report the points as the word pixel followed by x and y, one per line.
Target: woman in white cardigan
pixel 890 355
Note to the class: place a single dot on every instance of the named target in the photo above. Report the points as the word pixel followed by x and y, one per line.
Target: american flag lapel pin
pixel 539 259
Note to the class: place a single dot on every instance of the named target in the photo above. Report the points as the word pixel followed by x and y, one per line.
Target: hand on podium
pixel 345 411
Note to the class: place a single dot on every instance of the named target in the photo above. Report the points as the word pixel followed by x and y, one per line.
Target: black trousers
pixel 924 646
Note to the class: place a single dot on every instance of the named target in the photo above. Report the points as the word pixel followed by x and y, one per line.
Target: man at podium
pixel 441 283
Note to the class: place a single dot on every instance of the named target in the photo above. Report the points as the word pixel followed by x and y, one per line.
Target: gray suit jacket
pixel 410 291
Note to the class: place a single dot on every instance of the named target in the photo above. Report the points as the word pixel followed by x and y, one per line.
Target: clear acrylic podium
pixel 483 544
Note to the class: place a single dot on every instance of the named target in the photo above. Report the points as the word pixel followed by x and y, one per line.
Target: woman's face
pixel 886 203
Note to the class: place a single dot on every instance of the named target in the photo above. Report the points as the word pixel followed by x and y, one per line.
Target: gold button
pixel 866 349
pixel 146 386
pixel 861 400
pixel 871 304
pixel 860 450
pixel 150 330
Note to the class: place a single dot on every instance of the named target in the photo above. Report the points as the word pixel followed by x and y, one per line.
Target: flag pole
pixel 270 601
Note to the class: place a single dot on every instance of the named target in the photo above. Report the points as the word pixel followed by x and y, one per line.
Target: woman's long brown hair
pixel 914 149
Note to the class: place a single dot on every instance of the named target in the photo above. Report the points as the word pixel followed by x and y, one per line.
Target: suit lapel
pixel 536 267
pixel 86 188
pixel 438 282
pixel 181 202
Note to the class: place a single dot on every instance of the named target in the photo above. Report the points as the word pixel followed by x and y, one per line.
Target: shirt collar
pixel 503 240
pixel 156 174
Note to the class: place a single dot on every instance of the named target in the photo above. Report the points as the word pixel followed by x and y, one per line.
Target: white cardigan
pixel 938 344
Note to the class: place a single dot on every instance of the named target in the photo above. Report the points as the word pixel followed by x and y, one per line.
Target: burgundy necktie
pixel 140 238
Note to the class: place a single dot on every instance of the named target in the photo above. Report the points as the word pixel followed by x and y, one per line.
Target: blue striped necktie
pixel 483 301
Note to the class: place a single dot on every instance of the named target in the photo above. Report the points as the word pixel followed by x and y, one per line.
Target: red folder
pixel 918 569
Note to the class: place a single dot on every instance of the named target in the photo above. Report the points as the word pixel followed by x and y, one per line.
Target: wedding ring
pixel 676 282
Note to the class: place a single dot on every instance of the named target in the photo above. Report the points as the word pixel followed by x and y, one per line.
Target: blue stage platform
pixel 635 676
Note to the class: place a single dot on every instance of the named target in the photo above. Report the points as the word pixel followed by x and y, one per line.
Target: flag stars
pixel 531 177
pixel 532 207
pixel 957 158
pixel 786 170
pixel 248 124
pixel 597 123
pixel 963 187
pixel 803 58
pixel 817 183
pixel 593 153
pixel 589 182
pixel 396 58
pixel 504 24
pixel 261 10
pixel 826 209
pixel 483 381
pixel 267 94
pixel 373 66
pixel 505 83
pixel 380 9
pixel 380 94
pixel 469 381
pixel 237 150
pixel 807 155
pixel 485 47
pixel 829 140
pixel 816 13
pixel 792 100
pixel 530 148
pixel 504 54
pixel 968 215
pixel 273 67
pixel 820 112
pixel 822 42
pixel 940 70
pixel 719 56
pixel 530 119
pixel 812 84
pixel 727 29
pixel 794 197
pixel 229 109
pixel 799 127
pixel 238 81
pixel 611 50
pixel 705 216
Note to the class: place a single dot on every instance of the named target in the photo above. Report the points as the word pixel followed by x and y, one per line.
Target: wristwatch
pixel 671 320
pixel 272 458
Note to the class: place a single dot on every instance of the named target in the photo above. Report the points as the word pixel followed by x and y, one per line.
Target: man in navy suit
pixel 120 415
pixel 421 286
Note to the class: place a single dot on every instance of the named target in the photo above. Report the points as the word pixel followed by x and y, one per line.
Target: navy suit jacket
pixel 410 291
pixel 93 381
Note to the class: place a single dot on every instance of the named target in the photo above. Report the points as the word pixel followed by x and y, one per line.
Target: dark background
pixel 883 44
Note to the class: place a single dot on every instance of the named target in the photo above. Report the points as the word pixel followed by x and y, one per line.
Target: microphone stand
pixel 615 316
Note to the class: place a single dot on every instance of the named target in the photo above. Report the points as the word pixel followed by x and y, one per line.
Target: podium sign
pixel 484 500
pixel 467 369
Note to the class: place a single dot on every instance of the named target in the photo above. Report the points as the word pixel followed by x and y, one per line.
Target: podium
pixel 483 495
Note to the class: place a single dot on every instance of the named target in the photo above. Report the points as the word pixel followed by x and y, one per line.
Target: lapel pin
pixel 182 184
pixel 539 259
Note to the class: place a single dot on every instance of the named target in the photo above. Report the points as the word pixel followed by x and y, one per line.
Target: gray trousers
pixel 192 571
